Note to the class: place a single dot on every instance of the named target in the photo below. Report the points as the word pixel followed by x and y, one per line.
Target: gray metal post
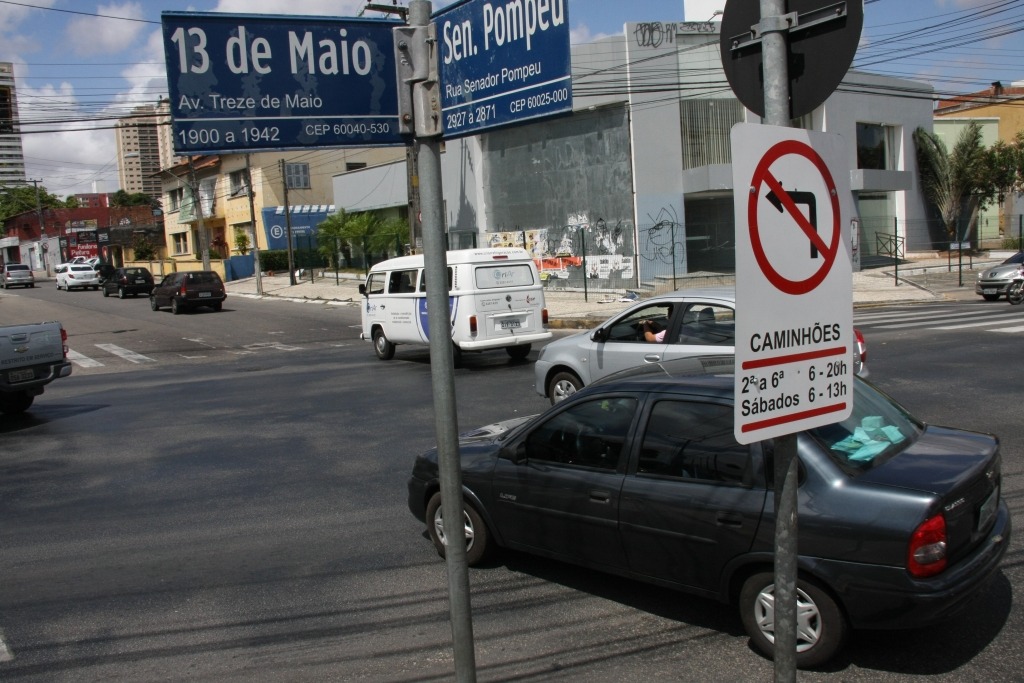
pixel 896 250
pixel 442 371
pixel 774 27
pixel 288 225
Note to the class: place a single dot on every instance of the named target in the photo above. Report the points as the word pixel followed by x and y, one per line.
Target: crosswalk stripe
pixel 130 356
pixel 83 361
pixel 921 315
pixel 1010 329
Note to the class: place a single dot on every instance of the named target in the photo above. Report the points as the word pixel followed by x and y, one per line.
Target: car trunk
pixel 962 469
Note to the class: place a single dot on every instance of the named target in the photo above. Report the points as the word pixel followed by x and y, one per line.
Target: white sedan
pixel 76 276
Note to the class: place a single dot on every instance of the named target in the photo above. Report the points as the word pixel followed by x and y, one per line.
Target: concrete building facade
pixel 137 141
pixel 637 182
pixel 12 157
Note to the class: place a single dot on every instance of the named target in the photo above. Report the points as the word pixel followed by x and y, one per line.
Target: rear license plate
pixel 21 375
pixel 140 281
pixel 509 324
pixel 988 509
pixel 205 295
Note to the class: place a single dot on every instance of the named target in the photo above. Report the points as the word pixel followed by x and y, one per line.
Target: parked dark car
pixel 901 523
pixel 105 271
pixel 189 290
pixel 125 281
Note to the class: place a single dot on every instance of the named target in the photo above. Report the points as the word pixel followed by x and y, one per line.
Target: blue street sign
pixel 251 82
pixel 501 63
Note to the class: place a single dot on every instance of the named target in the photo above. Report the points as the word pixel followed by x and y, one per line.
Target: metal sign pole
pixel 416 46
pixel 773 28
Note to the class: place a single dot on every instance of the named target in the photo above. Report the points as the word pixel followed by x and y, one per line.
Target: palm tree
pixel 956 182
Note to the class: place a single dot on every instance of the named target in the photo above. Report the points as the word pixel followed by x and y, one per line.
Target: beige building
pixel 12 158
pixel 138 151
pixel 999 111
pixel 221 184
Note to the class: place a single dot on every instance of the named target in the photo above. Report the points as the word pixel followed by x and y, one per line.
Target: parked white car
pixel 76 276
pixel 692 322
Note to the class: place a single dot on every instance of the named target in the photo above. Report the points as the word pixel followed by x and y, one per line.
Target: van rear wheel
pixel 382 346
pixel 518 352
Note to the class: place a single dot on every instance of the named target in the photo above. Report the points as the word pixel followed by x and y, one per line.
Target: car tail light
pixel 544 316
pixel 183 290
pixel 862 346
pixel 926 555
pixel 472 324
pixel 64 340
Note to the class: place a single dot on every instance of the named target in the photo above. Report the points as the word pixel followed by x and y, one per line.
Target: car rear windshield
pixel 204 278
pixel 12 268
pixel 82 269
pixel 877 429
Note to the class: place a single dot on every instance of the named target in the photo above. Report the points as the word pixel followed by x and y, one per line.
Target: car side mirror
pixel 362 288
pixel 600 335
pixel 516 452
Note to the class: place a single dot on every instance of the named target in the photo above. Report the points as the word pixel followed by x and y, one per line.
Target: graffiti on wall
pixel 604 251
pixel 665 241
pixel 657 33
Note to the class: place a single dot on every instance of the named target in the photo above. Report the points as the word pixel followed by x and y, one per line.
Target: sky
pixel 80 64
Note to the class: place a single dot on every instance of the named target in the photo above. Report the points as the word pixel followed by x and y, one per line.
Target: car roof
pixel 722 293
pixel 712 373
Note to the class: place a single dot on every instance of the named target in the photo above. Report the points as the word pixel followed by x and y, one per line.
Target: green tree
pixel 332 239
pixel 143 248
pixel 122 198
pixel 15 199
pixel 960 182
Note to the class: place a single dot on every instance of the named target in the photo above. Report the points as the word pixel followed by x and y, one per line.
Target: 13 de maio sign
pixel 244 82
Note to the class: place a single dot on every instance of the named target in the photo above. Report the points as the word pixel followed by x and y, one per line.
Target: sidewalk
pixel 919 280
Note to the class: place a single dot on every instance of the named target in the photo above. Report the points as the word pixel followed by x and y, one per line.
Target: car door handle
pixel 600 496
pixel 652 358
pixel 729 519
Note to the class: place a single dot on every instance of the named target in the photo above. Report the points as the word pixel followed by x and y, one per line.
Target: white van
pixel 495 297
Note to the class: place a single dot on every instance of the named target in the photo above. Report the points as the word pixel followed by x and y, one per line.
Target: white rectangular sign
pixel 794 296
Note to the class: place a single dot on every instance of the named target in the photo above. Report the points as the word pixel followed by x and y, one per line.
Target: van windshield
pixel 504 275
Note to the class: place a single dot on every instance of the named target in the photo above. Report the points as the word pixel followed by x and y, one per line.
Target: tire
pixel 152 303
pixel 382 346
pixel 105 292
pixel 477 537
pixel 821 625
pixel 175 307
pixel 16 402
pixel 563 385
pixel 120 293
pixel 456 356
pixel 217 306
pixel 518 352
pixel 1015 293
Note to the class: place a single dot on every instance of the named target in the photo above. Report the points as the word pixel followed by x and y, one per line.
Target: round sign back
pixel 821 48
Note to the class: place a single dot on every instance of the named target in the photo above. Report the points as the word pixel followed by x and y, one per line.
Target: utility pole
pixel 288 225
pixel 43 240
pixel 204 240
pixel 252 224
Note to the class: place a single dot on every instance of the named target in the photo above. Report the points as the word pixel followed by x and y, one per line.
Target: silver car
pixel 691 322
pixel 992 283
pixel 16 275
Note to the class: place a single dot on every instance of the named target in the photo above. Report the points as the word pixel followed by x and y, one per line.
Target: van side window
pixel 423 280
pixel 402 282
pixel 375 283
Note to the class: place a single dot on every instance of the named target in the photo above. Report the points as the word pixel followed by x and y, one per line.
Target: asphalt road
pixel 234 509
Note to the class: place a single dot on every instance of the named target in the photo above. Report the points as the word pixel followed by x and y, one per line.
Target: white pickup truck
pixel 31 356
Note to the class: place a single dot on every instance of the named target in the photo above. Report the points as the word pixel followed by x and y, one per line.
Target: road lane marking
pixel 127 355
pixel 83 361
